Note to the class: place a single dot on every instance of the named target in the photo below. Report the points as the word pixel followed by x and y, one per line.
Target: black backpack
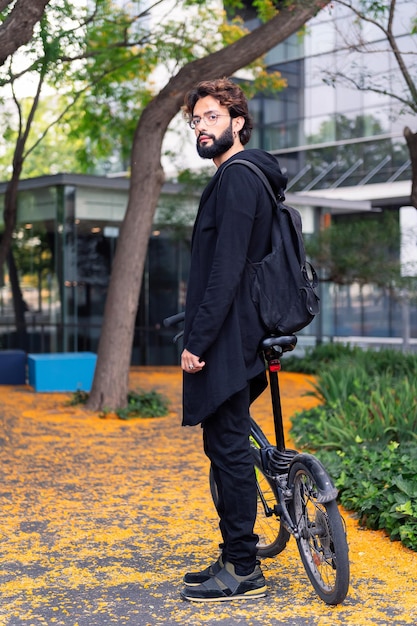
pixel 283 284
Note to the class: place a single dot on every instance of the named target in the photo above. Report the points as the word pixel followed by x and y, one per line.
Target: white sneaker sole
pixel 250 595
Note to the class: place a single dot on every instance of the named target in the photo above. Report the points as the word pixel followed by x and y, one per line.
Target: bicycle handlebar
pixel 173 320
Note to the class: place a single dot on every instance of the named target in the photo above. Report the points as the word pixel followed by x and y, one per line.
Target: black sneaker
pixel 196 578
pixel 227 585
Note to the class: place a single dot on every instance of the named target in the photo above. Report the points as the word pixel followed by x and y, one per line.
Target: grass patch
pixel 78 397
pixel 139 404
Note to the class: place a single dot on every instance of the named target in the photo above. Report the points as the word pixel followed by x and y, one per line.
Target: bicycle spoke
pixel 321 543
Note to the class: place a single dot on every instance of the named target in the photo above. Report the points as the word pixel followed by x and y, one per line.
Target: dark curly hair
pixel 229 95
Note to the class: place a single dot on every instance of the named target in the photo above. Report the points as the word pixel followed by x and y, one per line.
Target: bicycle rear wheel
pixel 322 540
pixel 273 536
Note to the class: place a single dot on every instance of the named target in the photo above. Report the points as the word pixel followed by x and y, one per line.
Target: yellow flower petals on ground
pixel 100 518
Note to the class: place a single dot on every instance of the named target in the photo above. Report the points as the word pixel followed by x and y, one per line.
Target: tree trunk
pixel 110 385
pixel 17 29
pixel 411 139
pixel 19 306
pixel 6 254
pixel 10 211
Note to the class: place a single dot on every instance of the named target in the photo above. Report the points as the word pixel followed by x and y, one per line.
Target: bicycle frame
pixel 277 460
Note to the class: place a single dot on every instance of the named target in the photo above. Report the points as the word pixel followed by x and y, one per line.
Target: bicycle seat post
pixel 272 357
pixel 273 348
pixel 273 369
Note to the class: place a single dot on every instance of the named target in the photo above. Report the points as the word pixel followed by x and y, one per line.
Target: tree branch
pixel 17 29
pixel 231 58
pixel 392 41
pixel 4 4
pixel 411 104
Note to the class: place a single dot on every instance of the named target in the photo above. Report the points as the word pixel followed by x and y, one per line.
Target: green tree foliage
pixel 84 79
pixel 73 94
pixel 57 150
pixel 108 111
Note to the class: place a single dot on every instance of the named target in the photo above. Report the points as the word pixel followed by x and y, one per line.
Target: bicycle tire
pixel 273 536
pixel 322 542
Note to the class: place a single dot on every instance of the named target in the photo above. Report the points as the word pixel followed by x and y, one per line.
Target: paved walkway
pixel 100 518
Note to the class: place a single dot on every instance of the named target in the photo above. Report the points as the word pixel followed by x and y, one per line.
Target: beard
pixel 219 146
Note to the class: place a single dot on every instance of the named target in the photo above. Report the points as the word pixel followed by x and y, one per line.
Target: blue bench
pixel 12 367
pixel 62 371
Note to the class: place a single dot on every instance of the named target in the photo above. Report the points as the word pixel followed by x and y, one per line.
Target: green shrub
pixel 365 432
pixel 358 408
pixel 316 357
pixel 139 404
pixel 380 484
pixel 144 404
pixel 78 397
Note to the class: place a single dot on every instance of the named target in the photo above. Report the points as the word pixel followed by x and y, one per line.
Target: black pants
pixel 226 443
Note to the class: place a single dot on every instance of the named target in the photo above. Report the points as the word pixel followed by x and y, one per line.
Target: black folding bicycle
pixel 296 495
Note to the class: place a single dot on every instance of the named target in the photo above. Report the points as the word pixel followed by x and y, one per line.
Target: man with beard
pixel 223 372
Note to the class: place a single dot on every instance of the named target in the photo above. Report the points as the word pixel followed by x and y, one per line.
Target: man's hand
pixel 191 363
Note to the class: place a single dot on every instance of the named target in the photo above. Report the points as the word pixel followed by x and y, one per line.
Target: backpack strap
pixel 257 171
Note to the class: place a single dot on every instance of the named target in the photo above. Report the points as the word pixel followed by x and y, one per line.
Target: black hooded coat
pixel 222 327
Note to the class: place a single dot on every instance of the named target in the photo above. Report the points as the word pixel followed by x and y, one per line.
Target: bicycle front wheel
pixel 322 540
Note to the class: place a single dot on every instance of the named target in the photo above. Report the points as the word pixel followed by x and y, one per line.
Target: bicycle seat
pixel 285 343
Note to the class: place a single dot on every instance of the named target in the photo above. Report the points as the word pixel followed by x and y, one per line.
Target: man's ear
pixel 238 123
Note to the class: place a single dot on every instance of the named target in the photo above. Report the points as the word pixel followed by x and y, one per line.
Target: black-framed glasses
pixel 210 118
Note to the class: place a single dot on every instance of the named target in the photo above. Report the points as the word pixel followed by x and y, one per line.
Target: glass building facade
pixel 335 138
pixel 343 151
pixel 66 237
pixel 325 127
